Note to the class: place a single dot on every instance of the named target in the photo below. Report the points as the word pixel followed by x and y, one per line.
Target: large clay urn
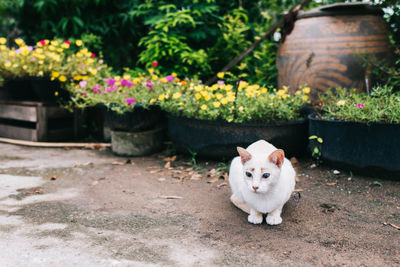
pixel 328 47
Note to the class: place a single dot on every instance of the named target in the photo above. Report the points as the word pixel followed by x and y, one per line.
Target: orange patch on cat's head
pixel 244 154
pixel 277 157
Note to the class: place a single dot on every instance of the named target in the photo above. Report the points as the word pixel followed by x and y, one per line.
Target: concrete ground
pixel 73 207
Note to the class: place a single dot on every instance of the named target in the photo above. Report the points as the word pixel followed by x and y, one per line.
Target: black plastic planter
pixel 140 119
pixel 218 139
pixel 372 149
pixel 33 89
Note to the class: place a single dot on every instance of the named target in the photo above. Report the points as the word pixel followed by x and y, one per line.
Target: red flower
pixel 67 42
pixel 93 55
pixel 42 42
pixel 154 64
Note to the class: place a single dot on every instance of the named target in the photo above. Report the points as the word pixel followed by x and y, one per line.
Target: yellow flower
pixel 305 97
pixel 207 97
pixel 341 103
pixel 224 101
pixel 136 80
pixel 221 75
pixel 154 77
pixel 230 119
pixel 55 74
pixel 24 51
pixel 176 95
pixel 152 101
pixel 216 104
pixel 161 97
pixel 306 90
pixel 77 77
pixel 24 67
pixel 241 108
pixel 228 87
pixel 150 71
pixel 163 80
pixel 242 85
pixel 65 45
pixel 93 71
pixel 203 107
pixel 78 42
pixel 7 64
pixel 197 96
pixel 3 40
pixel 56 93
pixel 62 78
pixel 264 90
pixel 219 96
pixel 174 74
pixel 19 42
pixel 198 88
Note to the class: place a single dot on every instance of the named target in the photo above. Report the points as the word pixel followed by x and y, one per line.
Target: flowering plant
pixel 241 102
pixel 56 59
pixel 381 106
pixel 120 93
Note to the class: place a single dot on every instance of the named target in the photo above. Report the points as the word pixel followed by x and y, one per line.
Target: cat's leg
pixel 255 217
pixel 274 217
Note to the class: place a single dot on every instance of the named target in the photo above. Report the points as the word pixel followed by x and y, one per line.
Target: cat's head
pixel 261 171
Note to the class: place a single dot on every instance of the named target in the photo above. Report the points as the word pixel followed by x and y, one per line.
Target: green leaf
pixel 377 183
pixel 320 140
pixel 313 137
pixel 316 150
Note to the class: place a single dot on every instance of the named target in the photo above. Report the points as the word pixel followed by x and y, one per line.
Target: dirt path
pixel 68 207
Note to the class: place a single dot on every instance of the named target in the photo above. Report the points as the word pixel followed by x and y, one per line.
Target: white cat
pixel 263 179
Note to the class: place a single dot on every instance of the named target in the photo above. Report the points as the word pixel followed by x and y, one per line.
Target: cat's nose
pixel 255 188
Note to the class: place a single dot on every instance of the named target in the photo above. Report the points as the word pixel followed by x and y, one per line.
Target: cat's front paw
pixel 273 220
pixel 255 218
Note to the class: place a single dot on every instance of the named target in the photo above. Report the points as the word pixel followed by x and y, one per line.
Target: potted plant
pixel 40 72
pixel 131 119
pixel 213 120
pixel 359 131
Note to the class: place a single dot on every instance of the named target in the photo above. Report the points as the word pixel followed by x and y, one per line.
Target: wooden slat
pixel 15 132
pixel 16 112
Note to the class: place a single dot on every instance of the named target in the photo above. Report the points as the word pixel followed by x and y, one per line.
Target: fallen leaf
pixel 83 164
pixel 298 177
pixel 211 181
pixel 161 179
pixel 129 161
pixel 211 173
pixel 117 163
pixel 167 165
pixel 222 184
pixel 331 184
pixel 94 183
pixel 36 191
pixel 54 177
pixel 196 177
pixel 173 158
pixel 170 197
pixel 298 190
pixel 224 176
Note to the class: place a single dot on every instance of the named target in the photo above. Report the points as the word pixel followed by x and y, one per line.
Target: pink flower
pixel 93 55
pixel 42 42
pixel 130 100
pixel 149 84
pixel 97 88
pixel 67 42
pixel 18 51
pixel 29 48
pixel 82 84
pixel 112 88
pixel 126 83
pixel 101 61
pixel 169 78
pixel 154 64
pixel 102 92
pixel 360 105
pixel 83 93
pixel 110 81
pixel 220 82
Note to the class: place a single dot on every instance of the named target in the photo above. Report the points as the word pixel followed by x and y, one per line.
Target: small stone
pixel 336 172
pixel 313 166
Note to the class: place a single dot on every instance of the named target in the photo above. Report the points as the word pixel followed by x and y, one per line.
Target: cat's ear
pixel 277 157
pixel 244 154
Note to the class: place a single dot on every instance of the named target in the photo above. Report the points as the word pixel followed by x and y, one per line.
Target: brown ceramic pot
pixel 325 48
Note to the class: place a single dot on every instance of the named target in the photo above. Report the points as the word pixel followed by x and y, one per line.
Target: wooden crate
pixel 35 121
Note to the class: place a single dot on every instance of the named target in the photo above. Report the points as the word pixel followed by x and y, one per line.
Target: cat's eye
pixel 265 175
pixel 248 174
